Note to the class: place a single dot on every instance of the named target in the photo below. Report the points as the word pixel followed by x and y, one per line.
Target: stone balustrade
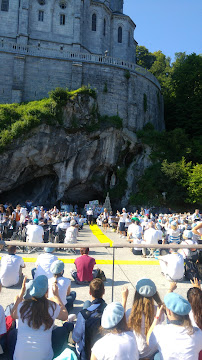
pixel 39 51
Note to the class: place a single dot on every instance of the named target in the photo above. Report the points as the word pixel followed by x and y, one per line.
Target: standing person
pixel 2 219
pixel 118 341
pixel 36 316
pixel 11 268
pixel 84 267
pixel 196 215
pixel 142 314
pixel 177 339
pixel 64 285
pixel 89 214
pixel 122 220
pixel 105 218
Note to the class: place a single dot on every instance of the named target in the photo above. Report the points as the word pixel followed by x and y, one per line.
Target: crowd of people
pixel 151 329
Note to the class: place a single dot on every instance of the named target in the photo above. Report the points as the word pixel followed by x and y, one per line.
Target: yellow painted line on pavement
pixel 100 235
pixel 103 262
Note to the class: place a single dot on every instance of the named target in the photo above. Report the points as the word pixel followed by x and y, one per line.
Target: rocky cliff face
pixel 68 163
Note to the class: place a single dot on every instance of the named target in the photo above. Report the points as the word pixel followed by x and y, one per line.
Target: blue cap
pixel 173 223
pixel 57 267
pixel 36 221
pixel 146 287
pixel 158 226
pixel 37 287
pixel 177 304
pixel 112 315
pixel 188 234
pixel 49 249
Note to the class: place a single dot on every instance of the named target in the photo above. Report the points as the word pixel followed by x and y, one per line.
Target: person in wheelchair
pixel 61 229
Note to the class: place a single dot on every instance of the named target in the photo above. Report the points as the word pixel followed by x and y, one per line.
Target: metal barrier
pixel 105 245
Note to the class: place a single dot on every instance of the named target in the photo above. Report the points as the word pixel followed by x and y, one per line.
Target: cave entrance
pixel 42 191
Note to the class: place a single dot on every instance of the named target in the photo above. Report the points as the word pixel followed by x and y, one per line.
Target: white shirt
pixel 145 351
pixel 10 268
pixel 62 226
pixel 123 217
pixel 174 267
pixel 34 344
pixel 174 343
pixel 134 229
pixel 116 347
pixel 35 233
pixel 63 285
pixel 151 236
pixel 71 235
pixel 43 264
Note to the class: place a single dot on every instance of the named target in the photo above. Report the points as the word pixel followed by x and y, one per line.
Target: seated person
pixel 64 285
pixel 84 267
pixel 11 268
pixel 37 337
pixel 172 266
pixel 83 340
pixel 71 235
pixel 44 262
pixel 185 341
pixel 35 232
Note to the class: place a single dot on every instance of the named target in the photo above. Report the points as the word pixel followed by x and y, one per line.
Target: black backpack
pixel 92 324
pixel 191 270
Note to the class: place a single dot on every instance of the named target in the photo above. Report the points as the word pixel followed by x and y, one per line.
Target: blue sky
pixel 170 26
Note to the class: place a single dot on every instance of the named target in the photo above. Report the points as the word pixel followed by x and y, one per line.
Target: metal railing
pixel 105 245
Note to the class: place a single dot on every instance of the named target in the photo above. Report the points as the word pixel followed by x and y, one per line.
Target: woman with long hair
pixel 194 296
pixel 142 314
pixel 36 338
pixel 177 339
pixel 118 341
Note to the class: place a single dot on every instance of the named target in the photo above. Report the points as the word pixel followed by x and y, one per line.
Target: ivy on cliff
pixel 17 120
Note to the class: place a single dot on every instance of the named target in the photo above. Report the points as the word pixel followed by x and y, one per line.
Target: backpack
pixel 92 324
pixel 191 270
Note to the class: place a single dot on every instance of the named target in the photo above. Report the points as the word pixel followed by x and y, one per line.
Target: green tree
pixel 195 184
pixel 144 58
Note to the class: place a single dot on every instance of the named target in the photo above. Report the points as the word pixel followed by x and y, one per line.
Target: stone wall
pixel 123 88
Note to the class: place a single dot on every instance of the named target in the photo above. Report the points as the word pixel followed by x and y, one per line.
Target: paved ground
pixel 125 274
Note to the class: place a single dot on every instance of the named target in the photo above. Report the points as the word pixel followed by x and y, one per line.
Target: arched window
pixel 94 22
pixel 4 5
pixel 104 27
pixel 128 38
pixel 120 34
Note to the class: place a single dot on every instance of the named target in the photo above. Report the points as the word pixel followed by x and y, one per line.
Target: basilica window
pixel 40 15
pixel 62 4
pixel 41 2
pixel 104 27
pixel 4 5
pixel 128 38
pixel 120 34
pixel 62 19
pixel 94 20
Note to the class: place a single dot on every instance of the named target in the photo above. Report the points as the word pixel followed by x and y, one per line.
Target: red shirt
pixel 84 265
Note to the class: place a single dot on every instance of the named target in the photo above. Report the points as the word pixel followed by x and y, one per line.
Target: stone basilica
pixel 46 44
